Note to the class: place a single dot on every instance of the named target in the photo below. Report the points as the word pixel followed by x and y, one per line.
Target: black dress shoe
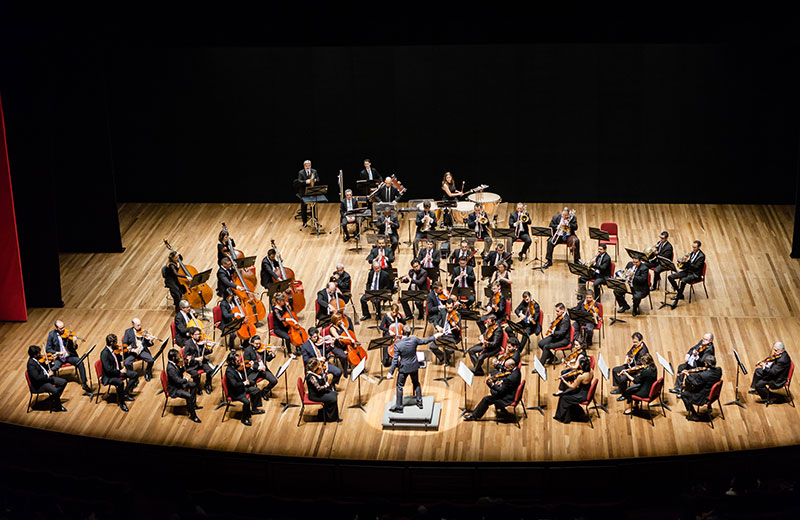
pixel 339 420
pixel 196 419
pixel 123 407
pixel 419 405
pixel 625 309
pixel 674 391
pixel 635 312
pixel 673 305
pixel 86 388
pixel 258 412
pixel 621 398
pixel 247 422
pixel 198 407
pixel 615 392
pixel 366 317
pixel 469 417
pixel 547 264
pixel 520 257
pixel 752 392
pixel 396 410
pixel 130 398
pixel 59 408
pixel 148 377
pixel 208 390
pixel 693 417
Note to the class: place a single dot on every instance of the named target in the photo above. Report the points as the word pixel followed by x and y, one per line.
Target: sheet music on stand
pixel 246 262
pixel 465 373
pixel 358 369
pixel 278 287
pixel 580 270
pixel 539 368
pixel 283 368
pixel 598 234
pixel 665 364
pixel 602 366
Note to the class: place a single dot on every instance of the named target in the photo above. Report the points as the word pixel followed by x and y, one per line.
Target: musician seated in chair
pixel 528 312
pixel 503 389
pixel 417 280
pixel 498 256
pixel 270 270
pixel 328 301
pixel 663 249
pixel 463 277
pixel 557 335
pixel 348 204
pixel 426 221
pixel 636 274
pixel 518 221
pixel 496 306
pixel 436 302
pixel 382 254
pixel 139 343
pixel 633 358
pixel 573 390
pixel 320 390
pixel 640 379
pixel 240 389
pixel 585 331
pixel 564 226
pixel 449 324
pixel 280 305
pixel 226 276
pixel 386 192
pixel 64 348
pixel 479 221
pixel 180 385
pixel 772 371
pixel 491 341
pixel 377 280
pixel 691 270
pixel 323 351
pixel 429 258
pixel 391 324
pixel 697 385
pixel 43 380
pixel 600 267
pixel 194 352
pixel 114 373
pixel 694 357
pixel 388 225
pixel 256 363
pixel 464 252
pixel 343 282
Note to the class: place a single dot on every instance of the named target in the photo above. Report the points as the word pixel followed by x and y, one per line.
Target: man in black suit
pixel 429 258
pixel 633 358
pixel 326 301
pixel 342 279
pixel 257 365
pixel 304 179
pixel 521 230
pixel 557 223
pixel 180 386
pixel 528 319
pixel 184 319
pixel 388 225
pixel 417 280
pixel 491 341
pixel 449 324
pixel 463 252
pixel 772 372
pixel 115 373
pixel 382 254
pixel 502 390
pixel 463 277
pixel 663 249
pixel 694 358
pixel 407 365
pixel 435 305
pixel 496 305
pixel 315 348
pixel 692 271
pixel 65 350
pixel 498 256
pixel 194 352
pixel 377 280
pixel 585 331
pixel 387 192
pixel 225 277
pixel 348 203
pixel 600 267
pixel 426 217
pixel 639 285
pixel 474 222
pixel 43 380
pixel 698 386
pixel 239 388
pixel 139 344
pixel 269 269
pixel 559 334
pixel 369 173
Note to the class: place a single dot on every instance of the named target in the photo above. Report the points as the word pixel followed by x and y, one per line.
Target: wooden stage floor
pixel 754 290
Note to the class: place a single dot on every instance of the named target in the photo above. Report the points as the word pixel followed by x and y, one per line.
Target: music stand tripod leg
pixel 286 405
pixel 601 406
pixel 358 404
pixel 444 377
pixel 539 406
pixel 736 391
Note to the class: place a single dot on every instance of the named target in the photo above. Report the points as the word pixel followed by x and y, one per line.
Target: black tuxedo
pixel 112 374
pixel 268 272
pixel 343 216
pixel 424 234
pixel 691 362
pixel 435 260
pixel 664 250
pixel 240 389
pixel 524 232
pixel 193 367
pixel 385 194
pixel 467 281
pixel 775 376
pixel 460 253
pixel 501 394
pixel 478 353
pixel 454 334
pixel 53 346
pixel 692 272
pixel 640 287
pixel 532 327
pixel 571 239
pixel 179 387
pixel 382 283
pixel 493 258
pixel 388 252
pixel 343 283
pixel 481 231
pixel 254 373
pixel 323 301
pixel 364 175
pixel 558 339
pixel 129 338
pixel 394 224
pixel 631 361
pixel 698 386
pixel 41 381
pixel 601 271
pixel 435 306
pixel 225 281
pixel 302 177
pixel 498 310
pixel 181 329
pixel 587 328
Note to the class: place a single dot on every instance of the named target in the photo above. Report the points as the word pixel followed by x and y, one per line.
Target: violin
pixel 68 334
pixel 769 359
pixel 46 358
pixel 296 286
pixel 572 374
pixel 198 295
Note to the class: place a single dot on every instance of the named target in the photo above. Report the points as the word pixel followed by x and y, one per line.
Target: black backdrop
pixel 537 122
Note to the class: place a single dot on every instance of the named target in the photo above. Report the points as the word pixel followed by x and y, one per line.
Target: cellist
pixel 342 336
pixel 280 307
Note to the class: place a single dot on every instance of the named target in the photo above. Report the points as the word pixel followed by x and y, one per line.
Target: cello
pixel 197 296
pixel 296 286
pixel 248 328
pixel 297 334
pixel 355 352
pixel 247 298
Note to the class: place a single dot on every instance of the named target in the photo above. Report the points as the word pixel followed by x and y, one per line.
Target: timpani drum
pixel 490 201
pixel 462 210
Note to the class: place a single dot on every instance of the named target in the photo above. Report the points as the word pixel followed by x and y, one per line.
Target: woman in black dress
pixel 222 245
pixel 641 380
pixel 450 193
pixel 576 385
pixel 171 273
pixel 320 390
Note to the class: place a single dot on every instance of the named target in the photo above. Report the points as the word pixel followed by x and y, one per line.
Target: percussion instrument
pixel 462 211
pixel 489 200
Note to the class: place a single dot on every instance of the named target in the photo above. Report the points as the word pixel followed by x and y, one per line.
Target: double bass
pixel 248 305
pixel 296 286
pixel 234 254
pixel 197 296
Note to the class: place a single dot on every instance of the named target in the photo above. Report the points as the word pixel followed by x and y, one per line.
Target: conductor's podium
pixel 413 418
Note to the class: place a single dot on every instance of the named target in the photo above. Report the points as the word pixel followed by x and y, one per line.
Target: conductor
pixel 405 360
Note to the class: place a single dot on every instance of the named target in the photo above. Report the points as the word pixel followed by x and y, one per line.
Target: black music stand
pixel 617 285
pixel 451 269
pixel 282 372
pixel 439 235
pixel 379 343
pixel 465 292
pixel 199 279
pixel 356 373
pixel 538 232
pixel 580 270
pixel 312 196
pixel 468 377
pixel 91 381
pixel 597 234
pixel 367 186
pixel 413 297
pixel 666 367
pixel 231 328
pixel 581 316
pixel 360 214
pixel 541 371
pixel 246 262
pixel 462 232
pixel 381 295
pixel 447 344
pixel 509 234
pixel 667 265
pixel 158 355
pixel 518 328
pixel 323 322
pixel 487 270
pixel 278 287
pixel 636 254
pixel 739 368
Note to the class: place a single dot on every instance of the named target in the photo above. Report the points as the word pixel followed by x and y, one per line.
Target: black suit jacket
pixel 457 254
pixel 500 311
pixel 643 380
pixel 522 310
pixel 602 266
pixel 322 301
pixel 268 272
pixel 227 314
pixel 343 206
pixel 387 251
pixel 383 196
pixel 37 374
pixel 224 281
pixel 129 338
pixel 777 373
pixel 491 258
pixel 433 304
pixel 483 228
pixel 237 383
pixel 505 391
pixel 383 280
pixel 696 267
pixel 641 285
pixel 420 215
pixel 494 342
pixel 556 220
pixel 666 250
pixel 343 282
pixel 394 224
pixel 181 329
pixel 418 279
pixel 701 383
pixel 562 330
pixel 470 276
pixel 637 360
pixel 436 257
pixel 52 346
pixel 365 177
pixel 111 365
pixel 301 180
pixel 512 221
pixel 175 380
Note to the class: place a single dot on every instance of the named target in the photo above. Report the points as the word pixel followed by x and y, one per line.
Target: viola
pixel 297 334
pixel 296 286
pixel 198 295
pixel 46 358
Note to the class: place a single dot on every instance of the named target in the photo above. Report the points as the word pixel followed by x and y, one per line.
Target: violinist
pixel 317 348
pixel 171 272
pixel 42 378
pixel 704 347
pixel 391 324
pixel 64 347
pixel 564 227
pixel 184 318
pixel 388 226
pixel 576 383
pixel 321 391
pixel 449 324
pixel 692 271
pixel 417 280
pixel 348 204
pixel 451 193
pixel 640 378
pixel 369 173
pixel 194 353
pixel 226 277
pixel 637 275
pixel 256 358
pixel 600 267
pixel 429 258
pixel 343 282
pixel 115 373
pixel 771 371
pixel 498 256
pixel 663 249
pixel 239 388
pixel 341 335
pixel 280 307
pixel 139 343
pixel 491 341
pixel 426 221
pixel 557 335
pixel 387 192
pixel 479 221
pixel 632 359
pixel 306 177
pixel 519 220
pixel 377 280
pixel 464 276
pixel 179 384
pixel 222 245
pixel 572 362
pixel 510 352
pixel 269 269
pixel 496 306
pixel 697 385
pixel 502 390
pixel 463 252
pixel 435 302
pixel 529 313
pixel 585 331
pixel 381 254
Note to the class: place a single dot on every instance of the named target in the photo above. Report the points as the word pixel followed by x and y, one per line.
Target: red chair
pixel 568 346
pixel 713 395
pixel 216 314
pixel 599 325
pixel 226 397
pixel 789 396
pixel 541 323
pixel 305 401
pixel 173 331
pixel 164 388
pixel 316 308
pixel 655 393
pixel 518 399
pixel 701 280
pixel 590 400
pixel 505 341
pixel 592 361
pixel 32 393
pixel 98 369
pixel 508 311
pixel 613 237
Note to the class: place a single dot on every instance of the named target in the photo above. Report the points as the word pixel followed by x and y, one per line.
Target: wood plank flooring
pixel 754 290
